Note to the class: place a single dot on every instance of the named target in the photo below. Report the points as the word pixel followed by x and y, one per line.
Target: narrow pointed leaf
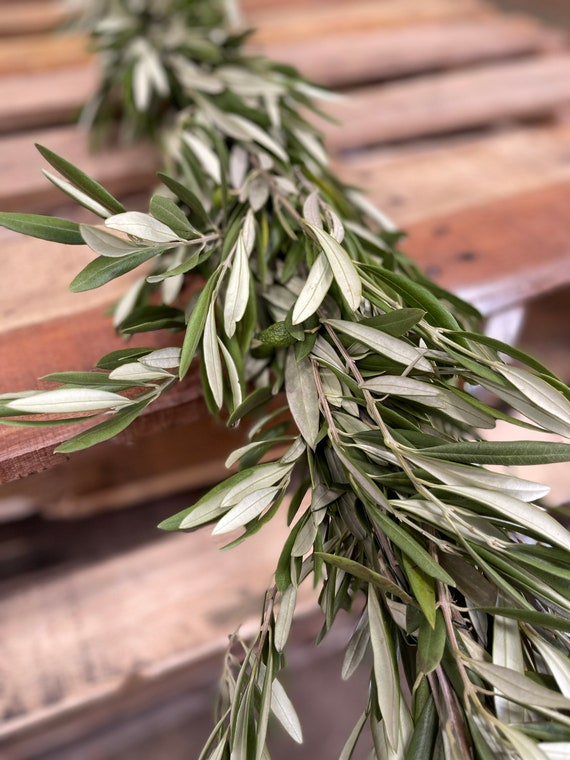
pixel 44 227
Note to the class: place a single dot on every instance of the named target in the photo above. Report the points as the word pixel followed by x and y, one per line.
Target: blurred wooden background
pixel 456 122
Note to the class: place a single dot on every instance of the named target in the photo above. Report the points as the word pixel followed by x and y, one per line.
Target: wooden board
pixel 439 177
pixel 340 60
pixel 109 626
pixel 31 16
pixel 31 54
pixel 460 100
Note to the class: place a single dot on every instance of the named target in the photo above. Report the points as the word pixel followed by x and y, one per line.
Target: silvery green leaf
pixel 342 267
pixel 519 687
pixel 529 515
pixel 385 671
pixel 296 451
pixel 254 132
pixel 259 477
pixel 250 507
pixel 384 344
pixel 302 397
pixel 538 392
pixel 457 474
pixel 396 385
pixel 142 85
pixel 555 750
pixel 507 651
pixel 265 683
pixel 326 353
pixel 311 210
pixel 169 213
pixel 257 192
pixel 137 372
pixel 127 301
pixel 284 711
pixel 205 155
pixel 336 227
pixel 64 400
pixel 170 289
pixel 314 290
pixel 211 356
pixel 350 745
pixel 460 409
pixel 357 647
pixel 331 386
pixel 239 164
pixel 233 375
pixel 106 244
pixel 526 748
pixel 305 538
pixel 82 198
pixel 143 226
pixel 372 211
pixel 558 663
pixel 248 232
pixel 285 617
pixel 163 358
pixel 237 291
pixel 195 77
pixel 313 146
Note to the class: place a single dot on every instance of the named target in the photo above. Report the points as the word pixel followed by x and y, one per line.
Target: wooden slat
pixel 458 101
pixel 31 17
pixel 501 253
pixel 32 54
pixel 81 636
pixel 370 55
pixel 279 23
pixel 441 178
pixel 123 169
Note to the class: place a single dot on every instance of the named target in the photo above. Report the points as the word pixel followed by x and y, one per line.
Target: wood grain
pixel 29 54
pixel 460 100
pixel 441 177
pixel 340 60
pixel 31 17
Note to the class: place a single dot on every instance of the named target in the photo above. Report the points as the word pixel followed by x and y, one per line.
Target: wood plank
pixel 122 169
pixel 500 253
pixel 441 177
pixel 277 24
pixel 80 636
pixel 40 98
pixel 32 54
pixel 371 55
pixel 31 17
pixel 461 100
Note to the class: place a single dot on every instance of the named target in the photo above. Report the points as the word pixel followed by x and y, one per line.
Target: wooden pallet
pixel 455 122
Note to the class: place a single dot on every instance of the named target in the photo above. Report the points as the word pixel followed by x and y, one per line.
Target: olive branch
pixel 352 370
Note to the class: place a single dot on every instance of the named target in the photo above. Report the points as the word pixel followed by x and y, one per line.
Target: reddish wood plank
pixel 32 54
pixel 123 169
pixel 500 253
pixel 31 17
pixel 279 23
pixel 458 101
pixel 442 177
pixel 371 55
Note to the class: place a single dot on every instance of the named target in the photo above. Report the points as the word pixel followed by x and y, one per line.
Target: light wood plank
pixel 279 23
pixel 81 637
pixel 460 100
pixel 371 55
pixel 441 178
pixel 31 17
pixel 35 54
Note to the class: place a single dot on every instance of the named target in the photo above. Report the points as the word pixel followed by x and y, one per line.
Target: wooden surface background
pixel 456 123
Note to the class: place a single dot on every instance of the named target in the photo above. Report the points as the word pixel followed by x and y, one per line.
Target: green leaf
pixel 302 397
pixel 285 617
pixel 82 181
pixel 69 400
pixel 431 643
pixel 103 269
pixel 250 507
pixel 409 546
pixel 382 343
pixel 542 619
pixel 385 670
pixel 237 291
pixel 106 244
pixel 189 199
pixel 103 432
pixel 115 359
pixel 422 586
pixel 142 226
pixel 282 708
pixel 314 290
pixel 365 574
pixel 518 687
pixel 509 453
pixel 397 322
pixel 149 318
pixel 344 271
pixel 44 227
pixel 167 212
pixel 195 325
pixel 211 357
